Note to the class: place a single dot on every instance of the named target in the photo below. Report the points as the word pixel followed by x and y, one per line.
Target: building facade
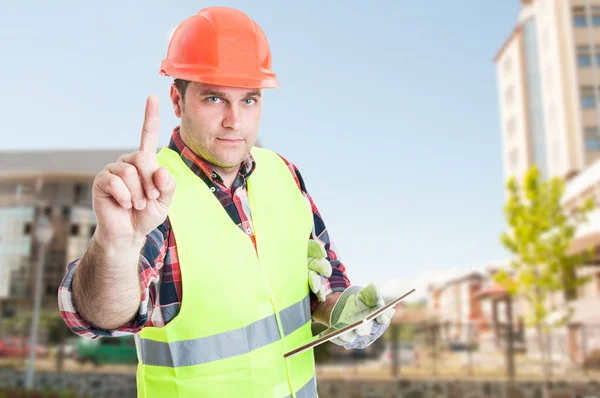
pixel 57 184
pixel 548 75
pixel 548 86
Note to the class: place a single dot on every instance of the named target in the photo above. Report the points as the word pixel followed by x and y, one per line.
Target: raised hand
pixel 132 196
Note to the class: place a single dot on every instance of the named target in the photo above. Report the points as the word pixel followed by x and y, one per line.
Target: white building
pixel 548 73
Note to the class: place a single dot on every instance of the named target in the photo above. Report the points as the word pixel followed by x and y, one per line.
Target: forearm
pixel 106 285
pixel 323 310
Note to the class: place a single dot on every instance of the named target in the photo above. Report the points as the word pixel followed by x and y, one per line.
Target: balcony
pixel 588 235
pixel 586 181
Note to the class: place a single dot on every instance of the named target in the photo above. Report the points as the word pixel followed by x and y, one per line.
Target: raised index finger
pixel 151 126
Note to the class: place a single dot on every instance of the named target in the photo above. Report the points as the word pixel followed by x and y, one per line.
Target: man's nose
pixel 233 119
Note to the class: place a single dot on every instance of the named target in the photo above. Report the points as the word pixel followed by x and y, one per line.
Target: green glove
pixel 354 304
pixel 319 268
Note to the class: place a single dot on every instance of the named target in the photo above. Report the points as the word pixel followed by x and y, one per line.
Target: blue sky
pixel 388 108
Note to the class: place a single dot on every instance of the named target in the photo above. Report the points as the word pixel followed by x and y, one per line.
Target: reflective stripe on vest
pixel 309 390
pixel 227 344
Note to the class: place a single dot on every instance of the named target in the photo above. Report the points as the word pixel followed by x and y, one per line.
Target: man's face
pixel 220 124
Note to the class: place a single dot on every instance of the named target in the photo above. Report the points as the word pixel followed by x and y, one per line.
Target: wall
pixel 107 385
pixel 452 389
pixel 95 385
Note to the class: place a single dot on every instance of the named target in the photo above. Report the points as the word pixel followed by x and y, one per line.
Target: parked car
pixel 19 347
pixel 406 354
pixel 107 350
pixel 461 346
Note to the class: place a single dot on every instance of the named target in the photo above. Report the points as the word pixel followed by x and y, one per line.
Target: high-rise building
pixel 548 74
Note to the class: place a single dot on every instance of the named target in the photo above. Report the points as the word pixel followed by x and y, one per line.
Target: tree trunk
pixel 60 357
pixel 545 363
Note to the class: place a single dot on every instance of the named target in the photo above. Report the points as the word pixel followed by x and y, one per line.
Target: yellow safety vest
pixel 240 311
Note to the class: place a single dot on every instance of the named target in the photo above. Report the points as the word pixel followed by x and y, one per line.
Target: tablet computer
pixel 341 328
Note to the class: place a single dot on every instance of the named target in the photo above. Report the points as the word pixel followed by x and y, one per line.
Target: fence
pixel 476 350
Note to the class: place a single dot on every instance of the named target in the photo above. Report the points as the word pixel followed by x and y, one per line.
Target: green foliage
pixel 50 321
pixel 540 234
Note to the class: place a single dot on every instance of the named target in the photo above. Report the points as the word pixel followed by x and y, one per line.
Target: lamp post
pixel 43 235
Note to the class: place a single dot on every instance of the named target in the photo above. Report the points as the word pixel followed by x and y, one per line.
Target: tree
pixel 540 233
pixel 51 326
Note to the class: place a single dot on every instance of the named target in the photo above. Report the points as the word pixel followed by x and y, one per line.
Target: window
pixel 592 139
pixel 584 56
pixel 535 114
pixel 27 229
pixel 510 127
pixel 579 17
pixel 584 61
pixel 77 192
pixel 588 101
pixel 587 97
pixel 66 211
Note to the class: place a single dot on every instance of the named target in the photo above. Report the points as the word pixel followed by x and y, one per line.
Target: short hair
pixel 182 86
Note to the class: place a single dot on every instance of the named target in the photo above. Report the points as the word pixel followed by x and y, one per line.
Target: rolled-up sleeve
pixel 149 266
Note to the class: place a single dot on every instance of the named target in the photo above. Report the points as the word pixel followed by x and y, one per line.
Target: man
pixel 211 251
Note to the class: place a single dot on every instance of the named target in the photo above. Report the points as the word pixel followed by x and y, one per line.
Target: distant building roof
pixel 465 276
pixel 83 162
pixel 53 162
pixel 492 291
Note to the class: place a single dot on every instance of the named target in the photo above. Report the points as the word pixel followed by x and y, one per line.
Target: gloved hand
pixel 353 305
pixel 319 269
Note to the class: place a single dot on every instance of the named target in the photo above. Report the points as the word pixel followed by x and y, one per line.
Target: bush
pixel 45 393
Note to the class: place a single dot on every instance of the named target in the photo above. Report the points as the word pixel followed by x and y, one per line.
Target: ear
pixel 176 100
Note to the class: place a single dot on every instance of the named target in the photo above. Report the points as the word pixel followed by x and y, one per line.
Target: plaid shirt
pixel 159 269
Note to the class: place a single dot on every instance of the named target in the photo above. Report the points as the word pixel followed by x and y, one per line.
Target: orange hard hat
pixel 220 46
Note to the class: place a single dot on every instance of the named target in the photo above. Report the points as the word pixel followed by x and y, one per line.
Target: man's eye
pixel 250 101
pixel 214 100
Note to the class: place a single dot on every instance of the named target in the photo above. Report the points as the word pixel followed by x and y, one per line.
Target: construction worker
pixel 211 251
